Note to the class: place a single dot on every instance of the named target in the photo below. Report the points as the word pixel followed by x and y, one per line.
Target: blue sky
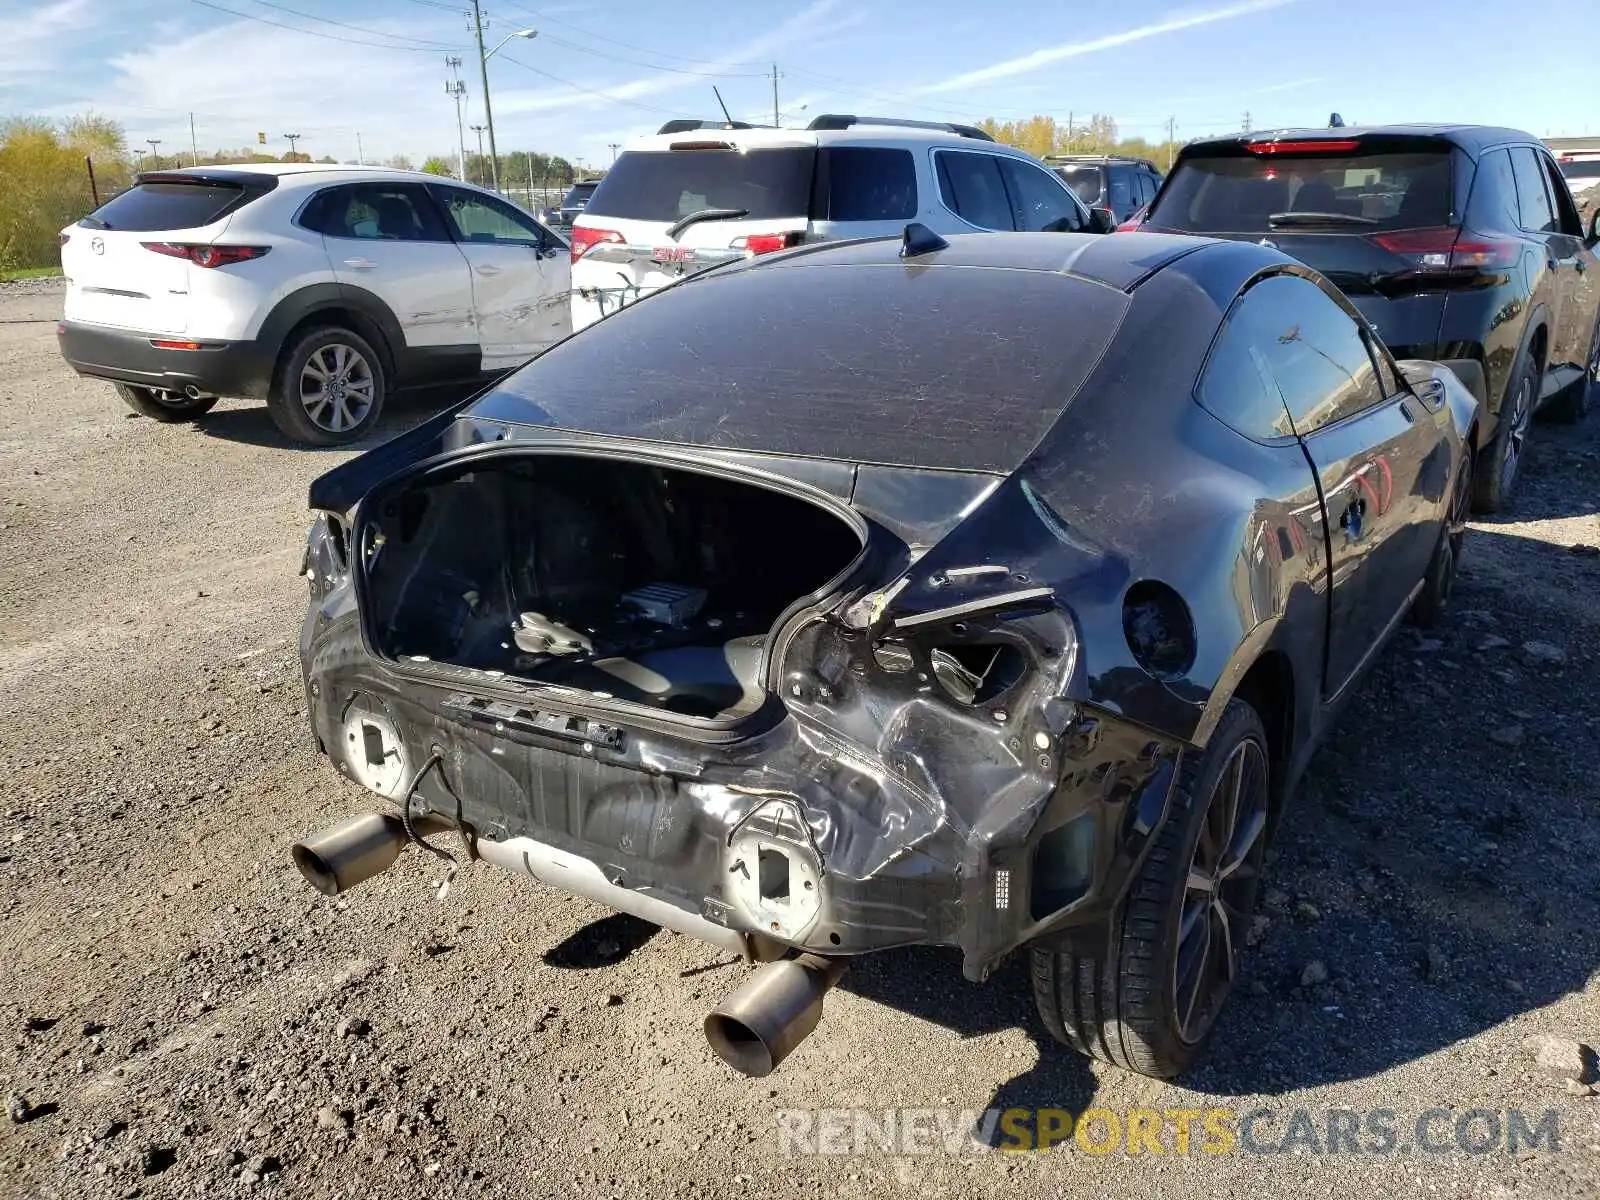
pixel 600 71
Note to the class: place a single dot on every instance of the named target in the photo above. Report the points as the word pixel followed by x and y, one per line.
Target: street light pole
pixel 615 146
pixel 457 90
pixel 292 138
pixel 483 71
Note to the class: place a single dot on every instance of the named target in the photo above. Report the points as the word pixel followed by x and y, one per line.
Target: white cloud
pixel 32 44
pixel 1054 54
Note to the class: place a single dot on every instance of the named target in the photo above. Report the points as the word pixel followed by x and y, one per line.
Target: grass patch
pixel 30 273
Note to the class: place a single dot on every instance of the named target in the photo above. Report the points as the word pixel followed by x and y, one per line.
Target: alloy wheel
pixel 337 387
pixel 1516 433
pixel 1219 889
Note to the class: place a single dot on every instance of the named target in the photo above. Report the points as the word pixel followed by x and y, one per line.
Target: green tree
pixel 437 166
pixel 44 181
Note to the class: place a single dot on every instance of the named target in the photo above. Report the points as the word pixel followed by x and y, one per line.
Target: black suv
pixel 1113 182
pixel 576 200
pixel 1457 242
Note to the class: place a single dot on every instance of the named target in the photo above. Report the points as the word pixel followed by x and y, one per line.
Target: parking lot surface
pixel 181 1015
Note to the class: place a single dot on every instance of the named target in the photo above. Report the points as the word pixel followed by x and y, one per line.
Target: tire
pixel 328 388
pixel 1127 1010
pixel 167 407
pixel 1572 405
pixel 1502 458
pixel 1429 607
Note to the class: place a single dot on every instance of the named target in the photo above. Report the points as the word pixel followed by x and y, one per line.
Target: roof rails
pixel 1091 157
pixel 846 121
pixel 685 124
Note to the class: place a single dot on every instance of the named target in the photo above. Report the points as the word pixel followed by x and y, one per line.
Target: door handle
pixel 360 264
pixel 487 269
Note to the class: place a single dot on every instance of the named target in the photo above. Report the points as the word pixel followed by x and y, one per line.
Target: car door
pixel 1120 191
pixel 1569 350
pixel 1364 436
pixel 521 276
pixel 1537 218
pixel 389 239
pixel 1040 201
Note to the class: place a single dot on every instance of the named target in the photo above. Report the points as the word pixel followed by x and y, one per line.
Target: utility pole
pixel 154 142
pixel 478 129
pixel 614 147
pixel 1070 116
pixel 1246 126
pixel 292 138
pixel 1172 138
pixel 194 146
pixel 488 111
pixel 456 90
pixel 775 78
pixel 361 159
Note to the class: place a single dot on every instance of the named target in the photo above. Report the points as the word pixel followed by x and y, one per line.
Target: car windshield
pixel 1083 180
pixel 656 185
pixel 1243 193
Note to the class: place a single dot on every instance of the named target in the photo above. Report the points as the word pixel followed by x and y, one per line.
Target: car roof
pixel 1120 262
pixel 1471 138
pixel 292 174
pixel 863 134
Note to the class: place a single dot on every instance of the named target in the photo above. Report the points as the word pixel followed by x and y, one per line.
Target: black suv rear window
pixel 148 207
pixel 1251 193
pixel 655 185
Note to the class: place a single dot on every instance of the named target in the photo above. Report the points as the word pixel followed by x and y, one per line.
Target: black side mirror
pixel 1102 220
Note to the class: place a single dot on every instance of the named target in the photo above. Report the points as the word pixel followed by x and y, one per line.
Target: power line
pixel 293 12
pixel 578 87
pixel 600 37
pixel 634 62
pixel 333 37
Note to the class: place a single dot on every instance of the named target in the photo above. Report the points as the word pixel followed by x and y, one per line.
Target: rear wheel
pixel 1502 458
pixel 161 405
pixel 1429 607
pixel 1176 948
pixel 329 387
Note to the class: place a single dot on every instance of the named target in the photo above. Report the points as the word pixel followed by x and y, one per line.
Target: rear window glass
pixel 1244 194
pixel 1581 170
pixel 944 367
pixel 654 185
pixel 146 207
pixel 867 183
pixel 579 193
pixel 1083 180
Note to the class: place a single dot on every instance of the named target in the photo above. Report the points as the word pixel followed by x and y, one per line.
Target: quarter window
pixel 1039 201
pixel 1566 215
pixel 970 186
pixel 1289 360
pixel 868 183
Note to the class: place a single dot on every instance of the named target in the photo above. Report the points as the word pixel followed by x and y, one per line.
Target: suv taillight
pixel 765 243
pixel 585 239
pixel 1448 248
pixel 206 256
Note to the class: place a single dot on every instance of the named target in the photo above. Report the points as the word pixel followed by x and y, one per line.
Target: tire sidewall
pixel 1493 494
pixel 285 406
pixel 1240 723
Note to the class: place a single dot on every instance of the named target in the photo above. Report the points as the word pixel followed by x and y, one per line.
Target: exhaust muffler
pixel 772 1012
pixel 356 849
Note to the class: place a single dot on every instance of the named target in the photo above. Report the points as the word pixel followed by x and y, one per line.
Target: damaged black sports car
pixel 989 593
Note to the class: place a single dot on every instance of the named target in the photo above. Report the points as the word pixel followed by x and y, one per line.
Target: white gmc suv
pixel 698 193
pixel 317 288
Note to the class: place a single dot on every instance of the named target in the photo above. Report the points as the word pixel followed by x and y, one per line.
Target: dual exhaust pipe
pixel 753 1030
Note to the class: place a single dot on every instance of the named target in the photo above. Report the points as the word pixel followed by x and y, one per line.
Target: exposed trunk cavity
pixel 652 584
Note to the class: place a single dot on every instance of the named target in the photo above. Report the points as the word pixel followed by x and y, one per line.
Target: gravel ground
pixel 180 1015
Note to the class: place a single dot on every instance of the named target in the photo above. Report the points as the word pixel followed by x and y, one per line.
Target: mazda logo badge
pixel 98 245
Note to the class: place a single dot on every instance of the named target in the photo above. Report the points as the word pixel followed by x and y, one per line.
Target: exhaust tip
pixel 739 1046
pixel 315 868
